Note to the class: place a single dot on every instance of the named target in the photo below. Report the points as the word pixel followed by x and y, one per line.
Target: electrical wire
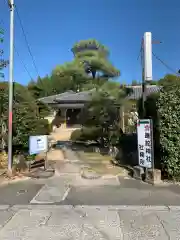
pixel 25 37
pixel 22 62
pixel 167 66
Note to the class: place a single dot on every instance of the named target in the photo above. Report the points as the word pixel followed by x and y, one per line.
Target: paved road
pixel 19 192
pixel 129 192
pixel 88 223
pixel 69 207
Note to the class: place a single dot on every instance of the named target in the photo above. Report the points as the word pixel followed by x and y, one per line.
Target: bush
pixel 85 134
pixel 169 128
pixel 76 135
pixel 164 109
pixel 26 121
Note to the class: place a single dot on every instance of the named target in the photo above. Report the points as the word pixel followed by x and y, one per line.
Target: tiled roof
pixel 67 96
pixel 86 95
pixel 50 99
pixel 81 96
pixel 137 91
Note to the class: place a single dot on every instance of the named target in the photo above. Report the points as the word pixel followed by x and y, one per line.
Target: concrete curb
pixel 97 207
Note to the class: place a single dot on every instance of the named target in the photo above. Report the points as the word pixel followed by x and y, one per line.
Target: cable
pixel 24 65
pixel 140 51
pixel 22 62
pixel 28 46
pixel 172 70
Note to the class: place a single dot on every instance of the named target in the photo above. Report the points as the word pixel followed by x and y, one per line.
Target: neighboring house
pixel 137 91
pixel 66 107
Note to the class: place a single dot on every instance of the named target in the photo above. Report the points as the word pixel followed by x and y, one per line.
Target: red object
pixel 10 120
pixel 147 127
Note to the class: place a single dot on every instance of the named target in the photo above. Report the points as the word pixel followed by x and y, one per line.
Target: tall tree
pixel 134 83
pixel 89 69
pixel 94 57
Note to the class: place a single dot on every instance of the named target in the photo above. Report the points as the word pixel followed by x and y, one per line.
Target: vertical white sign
pixel 38 144
pixel 145 143
pixel 147 56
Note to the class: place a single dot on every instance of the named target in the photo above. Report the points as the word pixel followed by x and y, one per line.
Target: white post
pixel 147 56
pixel 11 80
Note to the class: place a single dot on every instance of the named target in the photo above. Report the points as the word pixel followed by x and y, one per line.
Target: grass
pixel 100 163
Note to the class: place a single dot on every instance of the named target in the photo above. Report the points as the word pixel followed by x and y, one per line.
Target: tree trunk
pixel 93 74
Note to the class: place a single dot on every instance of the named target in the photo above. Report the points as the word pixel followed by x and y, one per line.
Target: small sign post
pixel 145 143
pixel 38 144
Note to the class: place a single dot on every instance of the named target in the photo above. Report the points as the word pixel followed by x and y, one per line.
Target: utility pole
pixel 11 80
pixel 146 60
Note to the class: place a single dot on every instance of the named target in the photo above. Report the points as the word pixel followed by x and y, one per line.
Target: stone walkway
pixel 88 223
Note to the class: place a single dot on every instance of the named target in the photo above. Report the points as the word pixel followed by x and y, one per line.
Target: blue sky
pixel 52 27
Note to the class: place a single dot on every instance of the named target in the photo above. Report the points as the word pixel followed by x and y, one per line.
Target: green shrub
pixel 76 135
pixel 164 109
pixel 169 128
pixel 26 121
pixel 85 134
pixel 91 133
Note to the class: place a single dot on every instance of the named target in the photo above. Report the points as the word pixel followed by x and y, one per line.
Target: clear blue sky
pixel 52 27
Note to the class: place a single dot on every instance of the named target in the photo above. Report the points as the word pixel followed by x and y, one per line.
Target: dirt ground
pixel 62 134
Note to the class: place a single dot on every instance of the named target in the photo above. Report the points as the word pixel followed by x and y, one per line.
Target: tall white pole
pixel 11 80
pixel 146 59
pixel 148 56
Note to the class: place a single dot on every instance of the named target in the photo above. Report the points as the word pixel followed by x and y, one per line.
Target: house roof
pixel 85 96
pixel 137 91
pixel 69 96
pixel 81 96
pixel 50 99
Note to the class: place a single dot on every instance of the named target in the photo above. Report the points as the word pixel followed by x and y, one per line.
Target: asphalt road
pixel 19 192
pixel 130 192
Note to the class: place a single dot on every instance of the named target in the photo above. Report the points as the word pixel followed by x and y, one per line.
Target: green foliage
pixel 103 111
pixel 89 69
pixel 169 127
pixel 86 134
pixel 134 83
pixel 90 44
pixel 164 109
pixel 169 80
pixel 94 57
pixel 26 121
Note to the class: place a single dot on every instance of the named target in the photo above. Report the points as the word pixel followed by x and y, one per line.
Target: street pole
pixel 146 58
pixel 11 80
pixel 143 81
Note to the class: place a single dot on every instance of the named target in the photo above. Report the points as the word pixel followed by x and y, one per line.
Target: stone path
pixel 86 223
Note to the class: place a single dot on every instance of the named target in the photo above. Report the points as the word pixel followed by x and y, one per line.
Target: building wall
pixel 61 118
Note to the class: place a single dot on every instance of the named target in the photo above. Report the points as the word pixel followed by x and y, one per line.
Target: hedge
pixel 164 109
pixel 169 128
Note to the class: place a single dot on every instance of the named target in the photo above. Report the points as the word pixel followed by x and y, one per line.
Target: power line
pixel 22 62
pixel 167 66
pixel 28 46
